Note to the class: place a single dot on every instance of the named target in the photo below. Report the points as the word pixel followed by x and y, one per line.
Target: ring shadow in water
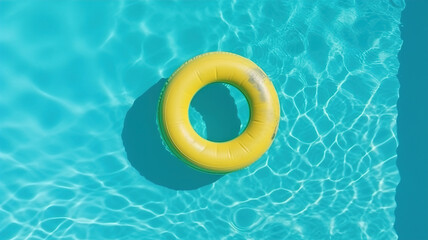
pixel 143 143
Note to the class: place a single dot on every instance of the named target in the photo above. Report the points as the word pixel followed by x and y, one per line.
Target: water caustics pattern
pixel 70 71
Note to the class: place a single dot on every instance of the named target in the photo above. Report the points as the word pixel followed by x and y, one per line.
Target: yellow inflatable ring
pixel 218 157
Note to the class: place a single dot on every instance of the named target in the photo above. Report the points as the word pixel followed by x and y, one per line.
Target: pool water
pixel 223 108
pixel 81 156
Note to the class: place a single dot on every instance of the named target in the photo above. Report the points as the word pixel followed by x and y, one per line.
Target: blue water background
pixel 70 72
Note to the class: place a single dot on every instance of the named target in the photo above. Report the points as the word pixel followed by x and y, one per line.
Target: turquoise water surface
pixel 81 157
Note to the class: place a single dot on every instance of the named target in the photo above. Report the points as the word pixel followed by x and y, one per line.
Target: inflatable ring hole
pixel 219 112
